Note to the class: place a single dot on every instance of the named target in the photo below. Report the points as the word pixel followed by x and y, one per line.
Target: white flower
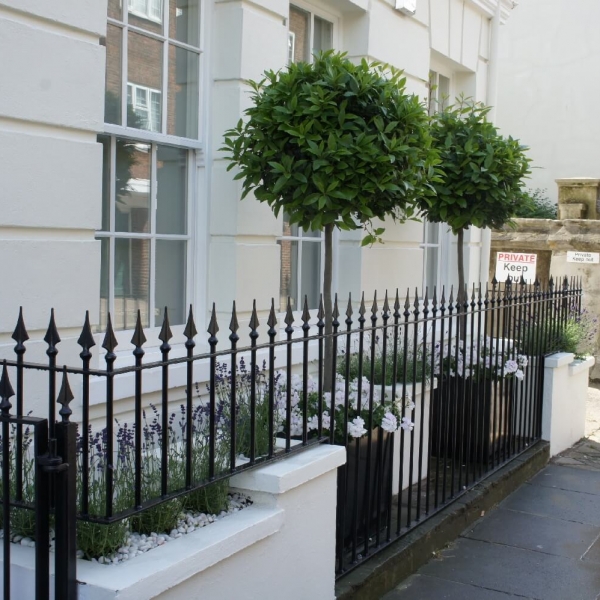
pixel 407 424
pixel 326 420
pixel 313 423
pixel 389 422
pixel 523 360
pixel 519 374
pixel 510 366
pixel 356 428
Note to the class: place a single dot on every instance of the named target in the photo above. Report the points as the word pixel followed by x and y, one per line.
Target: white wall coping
pixel 560 359
pixel 289 473
pixel 581 365
pixel 153 573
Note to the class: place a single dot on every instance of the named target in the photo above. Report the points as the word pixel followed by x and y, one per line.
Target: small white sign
pixel 516 265
pixel 586 258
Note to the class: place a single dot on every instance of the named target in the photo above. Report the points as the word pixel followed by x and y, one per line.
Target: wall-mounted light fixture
pixel 408 7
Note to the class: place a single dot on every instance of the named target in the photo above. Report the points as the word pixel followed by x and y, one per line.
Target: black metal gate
pixel 38 484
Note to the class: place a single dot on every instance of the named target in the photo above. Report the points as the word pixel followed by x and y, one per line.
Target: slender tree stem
pixel 461 280
pixel 327 279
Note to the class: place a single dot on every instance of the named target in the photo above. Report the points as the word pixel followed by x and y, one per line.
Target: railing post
pixel 66 499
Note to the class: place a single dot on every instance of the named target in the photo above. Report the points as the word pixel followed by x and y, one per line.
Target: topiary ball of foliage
pixel 483 171
pixel 333 143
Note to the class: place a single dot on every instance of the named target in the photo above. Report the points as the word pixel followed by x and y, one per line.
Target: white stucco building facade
pixel 113 193
pixel 549 54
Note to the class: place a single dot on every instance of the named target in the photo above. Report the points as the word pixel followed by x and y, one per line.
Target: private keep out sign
pixel 516 265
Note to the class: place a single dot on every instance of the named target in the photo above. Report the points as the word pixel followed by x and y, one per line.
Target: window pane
pixel 433 233
pixel 170 281
pixel 443 92
pixel 145 76
pixel 431 268
pixel 146 14
pixel 132 186
pixel 132 282
pixel 289 274
pixel 300 27
pixel 104 282
pixel 112 97
pixel 311 274
pixel 115 10
pixel 323 37
pixel 184 21
pixel 171 190
pixel 182 118
pixel 106 168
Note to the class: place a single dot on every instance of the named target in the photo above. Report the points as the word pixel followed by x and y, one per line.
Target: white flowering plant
pixel 481 359
pixel 390 416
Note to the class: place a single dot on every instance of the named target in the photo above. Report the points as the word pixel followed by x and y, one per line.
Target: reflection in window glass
pixel 144 82
pixel 182 118
pixel 113 83
pixel 323 35
pixel 311 274
pixel 288 277
pixel 184 21
pixel 132 187
pixel 171 190
pixel 300 27
pixel 106 164
pixel 131 282
pixel 104 282
pixel 170 280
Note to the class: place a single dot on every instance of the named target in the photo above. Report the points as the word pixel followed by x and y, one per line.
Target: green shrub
pixel 159 518
pixel 537 205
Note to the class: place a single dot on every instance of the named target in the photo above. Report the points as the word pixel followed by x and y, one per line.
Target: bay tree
pixel 482 175
pixel 334 144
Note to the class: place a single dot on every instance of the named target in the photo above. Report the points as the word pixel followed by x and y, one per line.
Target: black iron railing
pixel 429 395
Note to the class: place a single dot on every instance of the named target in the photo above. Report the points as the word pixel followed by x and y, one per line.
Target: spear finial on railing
pixel 139 338
pixel 254 322
pixel 52 338
pixel 110 340
pixel 65 395
pixel 374 307
pixel 86 339
pixel 272 320
pixel 386 306
pixel 213 326
pixel 190 330
pixel 289 317
pixel 349 310
pixel 6 391
pixel 165 332
pixel 20 334
pixel 305 313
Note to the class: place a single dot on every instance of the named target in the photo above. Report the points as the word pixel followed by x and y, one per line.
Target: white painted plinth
pixel 565 394
pixel 284 544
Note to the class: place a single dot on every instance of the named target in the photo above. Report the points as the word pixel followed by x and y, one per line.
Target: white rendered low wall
pixel 565 395
pixel 281 546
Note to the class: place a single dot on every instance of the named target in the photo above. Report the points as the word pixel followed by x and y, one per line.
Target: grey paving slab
pixel 422 587
pixel 593 554
pixel 532 532
pixel 552 502
pixel 516 571
pixel 566 478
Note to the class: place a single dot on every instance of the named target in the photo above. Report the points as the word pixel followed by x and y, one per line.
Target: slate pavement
pixel 540 543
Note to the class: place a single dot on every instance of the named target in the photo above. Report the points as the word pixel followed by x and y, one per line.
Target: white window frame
pixel 145 12
pixel 150 117
pixel 195 235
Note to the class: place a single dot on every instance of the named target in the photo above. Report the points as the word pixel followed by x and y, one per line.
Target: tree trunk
pixel 329 359
pixel 460 296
